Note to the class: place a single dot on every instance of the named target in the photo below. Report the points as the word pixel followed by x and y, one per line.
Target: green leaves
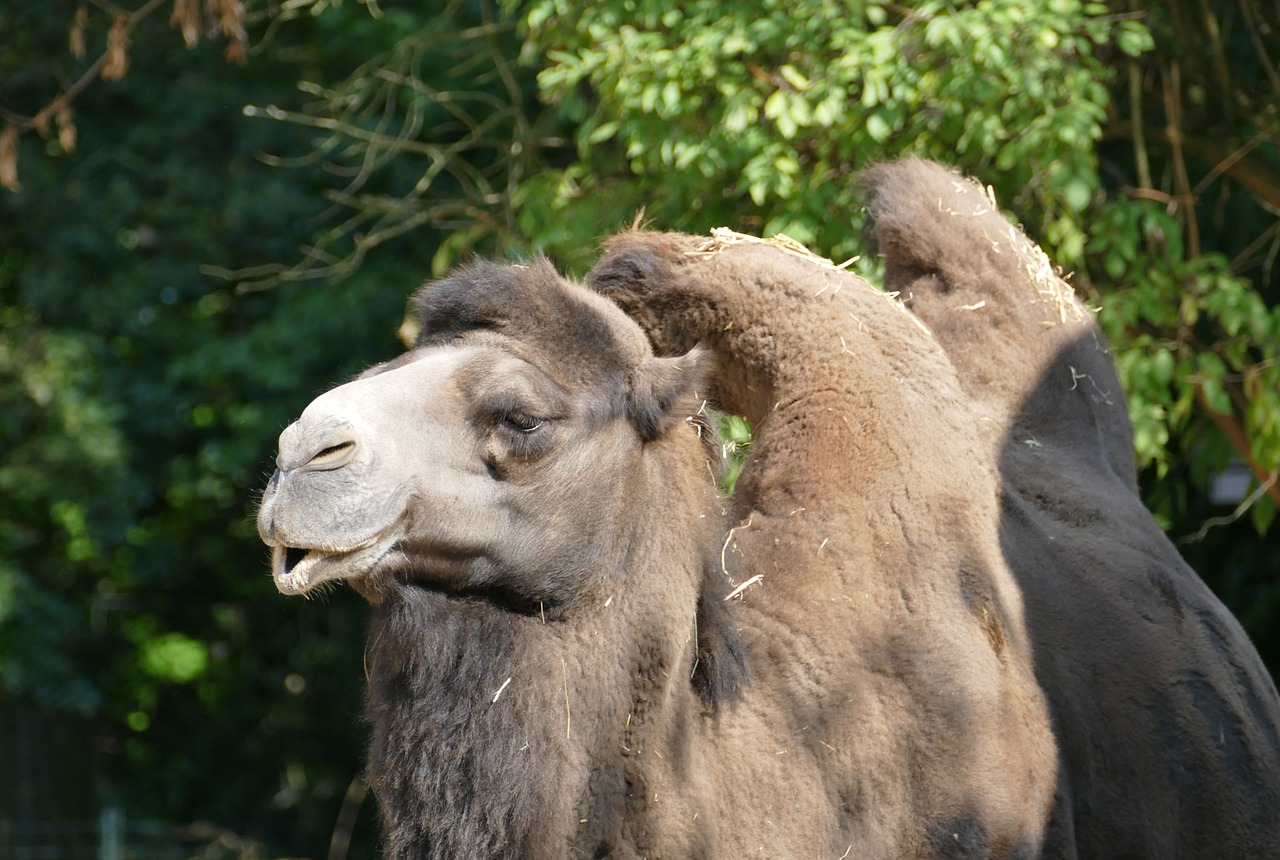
pixel 174 657
pixel 1191 336
pixel 1133 38
pixel 140 399
pixel 774 112
pixel 766 107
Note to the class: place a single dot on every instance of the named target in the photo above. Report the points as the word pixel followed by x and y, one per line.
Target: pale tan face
pixel 463 468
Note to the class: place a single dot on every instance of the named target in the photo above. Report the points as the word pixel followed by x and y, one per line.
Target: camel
pixel 579 649
pixel 554 670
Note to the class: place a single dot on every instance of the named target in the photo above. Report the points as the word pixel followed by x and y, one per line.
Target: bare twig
pixel 1225 164
pixel 340 841
pixel 1255 36
pixel 1265 486
pixel 111 64
pixel 1239 439
pixel 1269 235
pixel 1139 133
pixel 1251 171
pixel 1217 56
pixel 41 117
pixel 473 156
pixel 1172 89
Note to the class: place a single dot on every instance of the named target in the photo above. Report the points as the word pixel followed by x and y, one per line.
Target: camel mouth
pixel 299 570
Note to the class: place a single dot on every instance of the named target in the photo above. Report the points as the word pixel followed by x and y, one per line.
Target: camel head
pixel 493 459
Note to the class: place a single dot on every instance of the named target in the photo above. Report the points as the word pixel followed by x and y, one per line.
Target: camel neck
pixel 497 734
pixel 466 758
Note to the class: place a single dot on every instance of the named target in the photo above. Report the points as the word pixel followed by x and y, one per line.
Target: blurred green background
pixel 213 211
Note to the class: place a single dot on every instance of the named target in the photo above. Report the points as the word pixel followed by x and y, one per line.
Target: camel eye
pixel 522 422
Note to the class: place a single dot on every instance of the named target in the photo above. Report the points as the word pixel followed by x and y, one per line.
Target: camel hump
pixel 931 221
pixel 1024 346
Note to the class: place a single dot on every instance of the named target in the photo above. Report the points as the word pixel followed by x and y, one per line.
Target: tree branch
pixel 1234 431
pixel 1173 133
pixel 68 95
pixel 1224 155
pixel 1253 173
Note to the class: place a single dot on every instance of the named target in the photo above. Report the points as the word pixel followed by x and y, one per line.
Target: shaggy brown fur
pixel 1165 717
pixel 549 627
pixel 867 509
pixel 553 669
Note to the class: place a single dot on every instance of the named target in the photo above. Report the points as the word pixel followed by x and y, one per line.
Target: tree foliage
pixel 244 235
pixel 775 107
pixel 423 134
pixel 778 111
pixel 139 403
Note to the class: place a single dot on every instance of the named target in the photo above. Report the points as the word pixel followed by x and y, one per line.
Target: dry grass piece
pixel 743 587
pixel 1044 276
pixel 723 237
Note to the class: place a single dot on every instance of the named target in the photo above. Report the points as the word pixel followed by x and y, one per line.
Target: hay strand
pixel 1040 271
pixel 568 717
pixel 728 539
pixel 743 587
pixel 723 237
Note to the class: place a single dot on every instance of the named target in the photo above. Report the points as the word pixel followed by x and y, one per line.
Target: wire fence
pixel 113 836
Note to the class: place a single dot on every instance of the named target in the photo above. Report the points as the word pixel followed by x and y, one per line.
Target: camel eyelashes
pixel 522 422
pixel 333 452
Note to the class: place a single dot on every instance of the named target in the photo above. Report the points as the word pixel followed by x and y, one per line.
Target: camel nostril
pixel 317 442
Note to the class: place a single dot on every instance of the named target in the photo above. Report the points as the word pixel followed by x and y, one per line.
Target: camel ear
pixel 661 387
pixel 720 669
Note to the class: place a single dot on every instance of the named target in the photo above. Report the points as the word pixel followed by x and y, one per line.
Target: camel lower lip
pixel 290 567
pixel 297 570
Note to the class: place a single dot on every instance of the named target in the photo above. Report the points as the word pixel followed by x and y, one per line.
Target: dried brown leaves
pixel 215 18
pixel 116 65
pixel 9 158
pixel 230 15
pixel 186 18
pixel 75 38
pixel 67 135
pixel 219 18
